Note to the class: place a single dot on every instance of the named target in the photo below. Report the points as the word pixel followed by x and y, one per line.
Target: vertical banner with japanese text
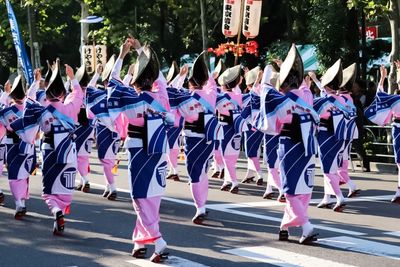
pixel 23 59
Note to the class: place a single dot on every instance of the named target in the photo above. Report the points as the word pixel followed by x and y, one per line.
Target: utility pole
pixel 33 44
pixel 30 35
pixel 363 46
pixel 84 27
pixel 203 25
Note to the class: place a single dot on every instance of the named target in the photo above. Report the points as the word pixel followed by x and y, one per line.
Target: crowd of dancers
pixel 154 116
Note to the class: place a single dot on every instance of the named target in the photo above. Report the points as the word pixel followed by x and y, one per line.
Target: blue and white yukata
pixel 252 137
pixel 146 144
pixel 289 115
pixel 21 156
pixel 3 149
pixel 57 121
pixel 174 134
pixel 382 110
pixel 229 105
pixel 201 130
pixel 351 133
pixel 107 131
pixel 331 139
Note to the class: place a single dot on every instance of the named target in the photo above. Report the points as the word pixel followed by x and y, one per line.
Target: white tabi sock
pixel 340 199
pixel 352 186
pixel 268 189
pixel 107 187
pixel 55 210
pixel 1 191
pixel 23 202
pixel 201 210
pixel 112 187
pixel 84 180
pixel 307 228
pixel 398 192
pixel 173 171
pixel 18 204
pixel 160 245
pixel 326 199
pixel 137 246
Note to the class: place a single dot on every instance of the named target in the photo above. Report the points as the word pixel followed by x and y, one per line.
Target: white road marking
pixel 263 204
pixel 281 257
pixel 243 213
pixel 31 214
pixel 363 246
pixel 171 261
pixel 276 219
pixel 397 234
pixel 358 199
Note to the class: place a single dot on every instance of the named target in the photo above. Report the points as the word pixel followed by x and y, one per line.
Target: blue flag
pixel 19 45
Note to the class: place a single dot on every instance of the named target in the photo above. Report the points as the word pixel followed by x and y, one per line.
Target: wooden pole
pixel 239 33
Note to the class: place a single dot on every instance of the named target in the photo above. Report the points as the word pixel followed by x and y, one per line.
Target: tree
pixel 390 10
pixel 330 32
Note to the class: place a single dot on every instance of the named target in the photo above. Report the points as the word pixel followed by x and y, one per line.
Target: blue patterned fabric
pixel 198 154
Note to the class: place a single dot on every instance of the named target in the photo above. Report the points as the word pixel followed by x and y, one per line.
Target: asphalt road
pixel 242 229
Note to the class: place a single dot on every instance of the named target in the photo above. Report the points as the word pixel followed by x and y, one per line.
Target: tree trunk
pixel 394 29
pixel 203 25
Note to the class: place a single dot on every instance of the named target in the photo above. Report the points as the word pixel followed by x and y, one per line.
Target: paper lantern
pixel 251 18
pixel 231 17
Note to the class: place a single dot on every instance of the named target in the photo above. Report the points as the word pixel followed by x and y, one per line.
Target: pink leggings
pixel 295 210
pixel 230 164
pixel 83 165
pixel 147 228
pixel 173 157
pixel 108 165
pixel 62 202
pixel 19 188
pixel 200 192
pixel 343 172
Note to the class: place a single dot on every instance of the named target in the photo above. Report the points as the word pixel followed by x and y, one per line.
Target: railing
pixel 378 142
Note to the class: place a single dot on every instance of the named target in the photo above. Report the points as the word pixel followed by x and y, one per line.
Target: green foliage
pixel 372 8
pixel 331 38
pixel 173 27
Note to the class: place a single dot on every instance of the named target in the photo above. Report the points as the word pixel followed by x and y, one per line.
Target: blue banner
pixel 23 59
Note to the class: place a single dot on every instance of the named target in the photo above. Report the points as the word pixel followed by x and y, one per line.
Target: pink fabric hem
pixel 147 222
pixel 295 210
pixel 19 188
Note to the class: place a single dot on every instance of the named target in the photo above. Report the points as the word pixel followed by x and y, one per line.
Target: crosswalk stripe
pixel 363 246
pixel 171 261
pixel 263 204
pixel 281 257
pixel 246 214
pixel 397 234
pixel 358 199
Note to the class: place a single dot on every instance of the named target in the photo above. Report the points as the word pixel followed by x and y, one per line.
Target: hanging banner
pixel 251 18
pixel 101 55
pixel 231 17
pixel 23 59
pixel 88 58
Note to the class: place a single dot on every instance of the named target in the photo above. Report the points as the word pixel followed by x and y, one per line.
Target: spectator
pixel 360 101
pixel 371 92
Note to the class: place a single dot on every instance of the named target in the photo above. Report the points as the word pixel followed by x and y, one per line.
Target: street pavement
pixel 241 230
